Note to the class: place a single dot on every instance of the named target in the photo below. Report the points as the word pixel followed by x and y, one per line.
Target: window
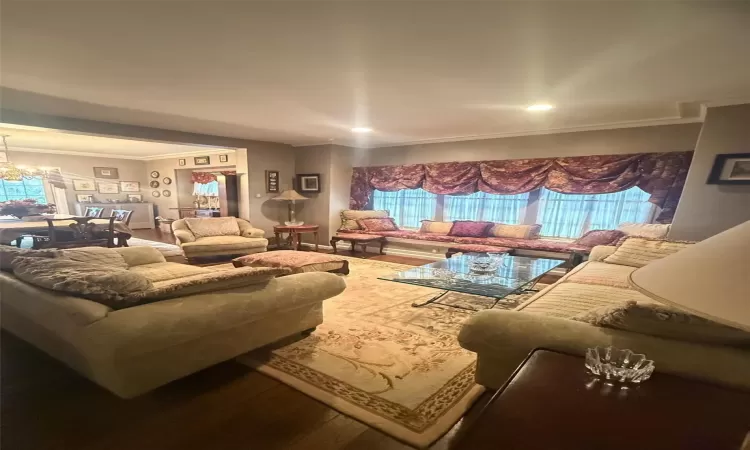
pixel 407 206
pixel 32 187
pixel 210 189
pixel 508 209
pixel 571 215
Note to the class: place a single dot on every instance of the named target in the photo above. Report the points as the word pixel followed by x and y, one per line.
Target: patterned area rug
pixel 165 249
pixel 379 360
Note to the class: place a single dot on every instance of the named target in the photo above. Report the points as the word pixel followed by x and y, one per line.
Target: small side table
pixel 358 239
pixel 550 402
pixel 295 232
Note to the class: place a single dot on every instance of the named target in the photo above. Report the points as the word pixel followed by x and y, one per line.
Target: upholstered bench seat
pixel 299 262
pixel 476 248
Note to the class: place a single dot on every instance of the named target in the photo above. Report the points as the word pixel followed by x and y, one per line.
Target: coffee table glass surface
pixel 514 274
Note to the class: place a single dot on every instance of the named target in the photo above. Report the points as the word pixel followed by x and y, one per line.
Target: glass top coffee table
pixel 514 274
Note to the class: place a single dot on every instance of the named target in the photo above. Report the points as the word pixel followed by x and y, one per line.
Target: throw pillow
pixel 659 320
pixel 106 257
pixel 349 217
pixel 380 224
pixel 638 251
pixel 8 254
pixel 106 285
pixel 219 280
pixel 470 228
pixel 215 226
pixel 649 230
pixel 430 226
pixel 599 237
pixel 516 231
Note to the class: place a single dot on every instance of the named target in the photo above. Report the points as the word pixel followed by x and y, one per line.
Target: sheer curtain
pixel 508 209
pixel 407 206
pixel 571 215
pixel 210 189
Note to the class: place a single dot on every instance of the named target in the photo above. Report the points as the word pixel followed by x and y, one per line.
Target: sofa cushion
pixel 378 224
pixel 215 226
pixel 603 274
pixel 165 271
pixel 515 231
pixel 219 243
pixel 96 255
pixel 433 227
pixel 649 230
pixel 566 299
pixel 663 321
pixel 349 217
pixel 298 262
pixel 106 285
pixel 8 254
pixel 136 256
pixel 593 238
pixel 638 251
pixel 470 228
pixel 208 282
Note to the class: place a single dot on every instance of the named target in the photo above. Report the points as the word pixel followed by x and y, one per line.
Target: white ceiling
pixel 39 140
pixel 307 71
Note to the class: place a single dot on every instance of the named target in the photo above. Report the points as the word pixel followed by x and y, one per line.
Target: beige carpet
pixel 165 249
pixel 377 359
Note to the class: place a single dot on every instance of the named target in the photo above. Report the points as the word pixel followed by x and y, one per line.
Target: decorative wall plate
pixel 156 194
pixel 154 174
pixel 167 180
pixel 166 193
pixel 154 184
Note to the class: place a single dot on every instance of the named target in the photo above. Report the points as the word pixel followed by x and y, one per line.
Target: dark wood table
pixel 295 232
pixel 358 239
pixel 551 403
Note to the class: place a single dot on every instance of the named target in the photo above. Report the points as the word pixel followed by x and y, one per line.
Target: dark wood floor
pixel 45 405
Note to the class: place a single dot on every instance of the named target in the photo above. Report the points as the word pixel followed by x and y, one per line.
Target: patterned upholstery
pixel 568 299
pixel 349 218
pixel 215 226
pixel 638 251
pixel 378 224
pixel 600 237
pixel 470 228
pixel 479 248
pixel 298 262
pixel 503 230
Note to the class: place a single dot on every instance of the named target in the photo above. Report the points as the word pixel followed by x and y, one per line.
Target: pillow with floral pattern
pixel 470 228
pixel 378 224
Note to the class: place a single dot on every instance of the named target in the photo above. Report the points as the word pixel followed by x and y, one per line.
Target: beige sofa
pixel 218 236
pixel 502 339
pixel 133 350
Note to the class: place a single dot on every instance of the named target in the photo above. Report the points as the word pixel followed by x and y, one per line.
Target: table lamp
pixel 709 279
pixel 291 196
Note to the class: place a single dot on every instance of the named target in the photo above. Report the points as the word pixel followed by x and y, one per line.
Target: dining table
pixel 11 228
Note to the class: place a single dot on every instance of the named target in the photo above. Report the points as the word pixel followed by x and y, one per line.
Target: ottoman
pixel 299 262
pixel 476 248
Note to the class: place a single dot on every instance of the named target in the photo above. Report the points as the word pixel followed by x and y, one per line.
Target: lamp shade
pixel 710 279
pixel 289 194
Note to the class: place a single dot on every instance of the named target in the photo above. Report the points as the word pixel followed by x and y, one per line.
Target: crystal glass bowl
pixel 616 365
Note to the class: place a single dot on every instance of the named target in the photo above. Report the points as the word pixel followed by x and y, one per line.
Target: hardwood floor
pixel 45 405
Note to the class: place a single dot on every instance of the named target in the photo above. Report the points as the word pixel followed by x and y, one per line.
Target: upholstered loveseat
pixel 553 319
pixel 135 349
pixel 218 236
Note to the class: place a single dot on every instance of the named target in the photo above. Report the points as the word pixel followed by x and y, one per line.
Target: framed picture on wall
pixel 202 160
pixel 137 198
pixel 83 185
pixel 730 168
pixel 272 181
pixel 308 182
pixel 223 158
pixel 181 162
pixel 106 172
pixel 130 186
pixel 84 198
pixel 108 188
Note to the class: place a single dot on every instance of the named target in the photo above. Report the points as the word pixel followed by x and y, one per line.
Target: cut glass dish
pixel 616 365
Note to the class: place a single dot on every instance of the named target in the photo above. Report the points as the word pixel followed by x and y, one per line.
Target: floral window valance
pixel 207 177
pixel 660 174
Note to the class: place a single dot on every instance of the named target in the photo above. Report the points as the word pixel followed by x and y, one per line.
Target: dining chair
pixel 79 234
pixel 93 211
pixel 122 215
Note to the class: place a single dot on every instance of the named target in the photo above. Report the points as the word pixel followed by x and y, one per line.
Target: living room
pixel 374 225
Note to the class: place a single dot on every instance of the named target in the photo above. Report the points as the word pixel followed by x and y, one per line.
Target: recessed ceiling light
pixel 540 107
pixel 361 130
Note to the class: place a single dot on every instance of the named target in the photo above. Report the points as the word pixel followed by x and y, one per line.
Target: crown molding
pixel 601 127
pixel 109 156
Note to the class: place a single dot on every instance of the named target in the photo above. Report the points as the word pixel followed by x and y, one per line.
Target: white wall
pixel 707 209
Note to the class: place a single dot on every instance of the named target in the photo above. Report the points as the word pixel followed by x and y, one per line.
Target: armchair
pixel 218 236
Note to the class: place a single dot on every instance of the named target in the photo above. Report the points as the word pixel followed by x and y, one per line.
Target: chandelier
pixel 11 172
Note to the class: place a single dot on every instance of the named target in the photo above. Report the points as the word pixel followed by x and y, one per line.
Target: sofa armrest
pixel 504 338
pixel 183 236
pixel 253 233
pixel 600 252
